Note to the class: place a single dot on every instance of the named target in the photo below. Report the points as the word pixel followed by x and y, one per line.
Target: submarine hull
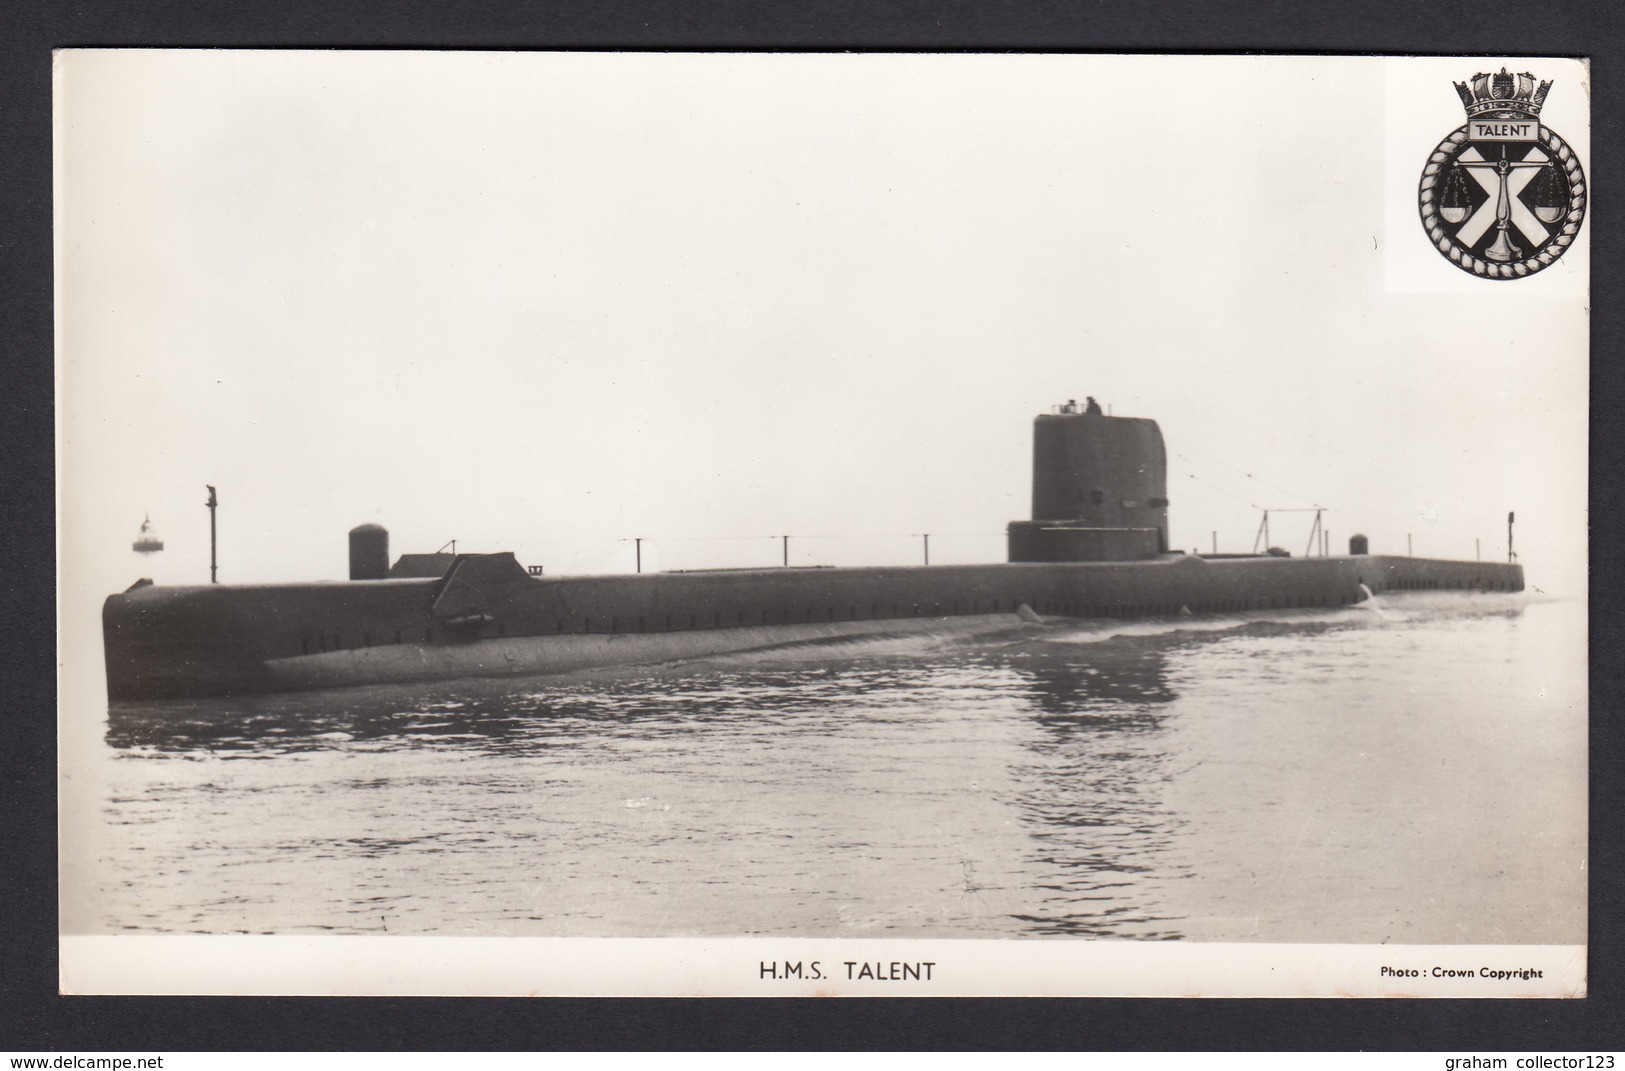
pixel 486 617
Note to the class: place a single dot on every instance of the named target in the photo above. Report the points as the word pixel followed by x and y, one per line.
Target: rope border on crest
pixel 1466 261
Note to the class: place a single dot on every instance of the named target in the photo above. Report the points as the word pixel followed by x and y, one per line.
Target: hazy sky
pixel 543 302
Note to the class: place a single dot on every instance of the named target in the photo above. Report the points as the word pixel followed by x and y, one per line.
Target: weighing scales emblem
pixel 1503 196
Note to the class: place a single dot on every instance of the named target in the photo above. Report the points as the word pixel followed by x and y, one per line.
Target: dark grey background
pixel 34 1018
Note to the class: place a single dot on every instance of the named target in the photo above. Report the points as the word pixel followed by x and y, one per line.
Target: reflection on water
pixel 1207 779
pixel 1093 802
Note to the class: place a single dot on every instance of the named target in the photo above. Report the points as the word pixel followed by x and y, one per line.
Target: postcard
pixel 593 523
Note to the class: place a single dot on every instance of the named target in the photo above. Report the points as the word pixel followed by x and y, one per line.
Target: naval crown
pixel 1502 96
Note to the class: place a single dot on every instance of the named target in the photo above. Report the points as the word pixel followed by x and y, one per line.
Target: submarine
pixel 1096 546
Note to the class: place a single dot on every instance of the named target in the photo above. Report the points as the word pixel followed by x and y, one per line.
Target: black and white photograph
pixel 753 524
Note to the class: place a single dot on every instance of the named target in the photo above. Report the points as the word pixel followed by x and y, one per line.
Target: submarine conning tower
pixel 1100 490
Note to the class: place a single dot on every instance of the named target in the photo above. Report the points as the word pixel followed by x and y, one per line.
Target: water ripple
pixel 1236 779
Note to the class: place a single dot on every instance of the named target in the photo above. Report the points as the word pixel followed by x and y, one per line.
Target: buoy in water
pixel 146 540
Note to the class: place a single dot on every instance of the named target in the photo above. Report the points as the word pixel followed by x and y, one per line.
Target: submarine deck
pixel 221 639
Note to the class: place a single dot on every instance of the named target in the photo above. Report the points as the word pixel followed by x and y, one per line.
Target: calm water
pixel 1416 775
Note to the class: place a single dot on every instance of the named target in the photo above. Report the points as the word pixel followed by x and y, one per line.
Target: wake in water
pixel 922 639
pixel 1372 611
pixel 1369 601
